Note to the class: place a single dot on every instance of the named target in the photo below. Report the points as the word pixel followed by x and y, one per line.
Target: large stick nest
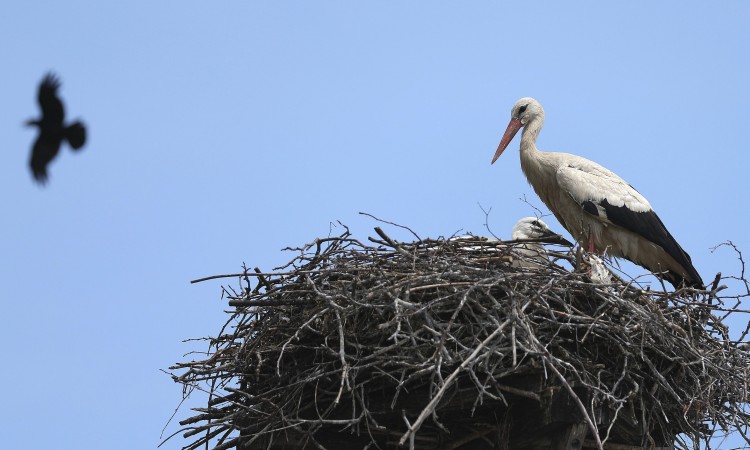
pixel 444 344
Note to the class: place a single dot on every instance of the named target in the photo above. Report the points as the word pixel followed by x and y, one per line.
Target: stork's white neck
pixel 532 160
pixel 530 133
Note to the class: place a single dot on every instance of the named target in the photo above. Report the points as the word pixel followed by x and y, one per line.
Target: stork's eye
pixel 522 109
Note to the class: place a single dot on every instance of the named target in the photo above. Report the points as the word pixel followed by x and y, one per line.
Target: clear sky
pixel 221 132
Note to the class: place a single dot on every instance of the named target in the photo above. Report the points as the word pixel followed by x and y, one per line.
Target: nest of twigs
pixel 445 344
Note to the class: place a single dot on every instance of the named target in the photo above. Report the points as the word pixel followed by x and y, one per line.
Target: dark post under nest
pixel 444 344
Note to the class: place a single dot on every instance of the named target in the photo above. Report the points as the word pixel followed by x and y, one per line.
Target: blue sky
pixel 221 132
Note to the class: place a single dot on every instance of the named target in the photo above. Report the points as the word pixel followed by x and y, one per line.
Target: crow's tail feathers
pixel 76 135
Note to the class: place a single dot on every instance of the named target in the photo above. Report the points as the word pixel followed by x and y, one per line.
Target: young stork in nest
pixel 533 254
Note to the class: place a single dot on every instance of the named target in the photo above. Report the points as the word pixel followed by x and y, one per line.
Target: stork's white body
pixel 599 209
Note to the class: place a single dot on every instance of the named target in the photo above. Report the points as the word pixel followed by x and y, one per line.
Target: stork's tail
pixel 677 280
pixel 76 135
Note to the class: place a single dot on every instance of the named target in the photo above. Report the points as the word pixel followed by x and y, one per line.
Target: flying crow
pixel 52 130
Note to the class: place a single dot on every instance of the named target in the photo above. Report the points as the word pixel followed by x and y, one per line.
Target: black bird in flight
pixel 52 130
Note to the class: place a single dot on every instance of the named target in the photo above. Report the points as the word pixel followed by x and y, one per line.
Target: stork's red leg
pixel 592 249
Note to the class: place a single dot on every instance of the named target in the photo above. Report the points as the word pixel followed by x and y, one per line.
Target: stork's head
pixel 533 228
pixel 524 111
pixel 530 228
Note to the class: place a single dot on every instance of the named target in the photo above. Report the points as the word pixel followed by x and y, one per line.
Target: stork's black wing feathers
pixel 590 207
pixel 650 226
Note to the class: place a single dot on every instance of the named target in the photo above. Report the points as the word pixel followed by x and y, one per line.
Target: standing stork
pixel 599 209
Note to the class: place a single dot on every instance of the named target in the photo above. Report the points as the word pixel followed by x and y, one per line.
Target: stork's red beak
pixel 510 132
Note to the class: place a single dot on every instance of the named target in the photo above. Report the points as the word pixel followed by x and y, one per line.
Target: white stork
pixel 533 254
pixel 599 209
